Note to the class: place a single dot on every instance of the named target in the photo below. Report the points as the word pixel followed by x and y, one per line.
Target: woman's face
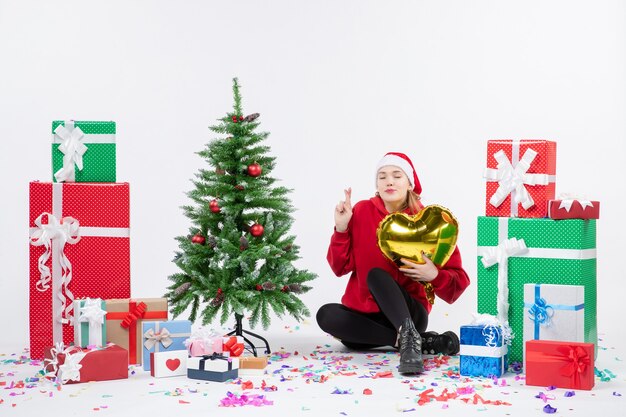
pixel 392 185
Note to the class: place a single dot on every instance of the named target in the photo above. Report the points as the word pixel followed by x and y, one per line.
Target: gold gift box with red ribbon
pixel 124 318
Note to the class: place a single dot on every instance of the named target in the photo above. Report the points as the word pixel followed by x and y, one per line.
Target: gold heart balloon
pixel 434 230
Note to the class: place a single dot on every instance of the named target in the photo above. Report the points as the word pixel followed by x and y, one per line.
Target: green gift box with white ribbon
pixel 83 151
pixel 517 251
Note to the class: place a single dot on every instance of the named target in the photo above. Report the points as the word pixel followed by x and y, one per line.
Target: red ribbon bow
pixel 231 345
pixel 577 361
pixel 134 315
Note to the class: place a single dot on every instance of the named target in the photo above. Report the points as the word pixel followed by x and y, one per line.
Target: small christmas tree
pixel 238 255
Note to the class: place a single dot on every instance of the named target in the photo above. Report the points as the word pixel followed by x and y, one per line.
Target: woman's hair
pixel 412 202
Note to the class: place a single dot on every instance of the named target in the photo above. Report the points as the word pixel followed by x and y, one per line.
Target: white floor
pixel 313 375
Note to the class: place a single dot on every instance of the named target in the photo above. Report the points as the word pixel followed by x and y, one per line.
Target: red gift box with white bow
pixel 520 176
pixel 560 364
pixel 573 208
pixel 73 365
pixel 79 248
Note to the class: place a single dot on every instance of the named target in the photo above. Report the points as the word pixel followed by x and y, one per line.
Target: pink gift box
pixel 204 346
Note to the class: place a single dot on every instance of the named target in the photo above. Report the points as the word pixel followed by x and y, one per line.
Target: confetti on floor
pixel 339 380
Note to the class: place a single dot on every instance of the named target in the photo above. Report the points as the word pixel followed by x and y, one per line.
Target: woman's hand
pixel 343 212
pixel 425 272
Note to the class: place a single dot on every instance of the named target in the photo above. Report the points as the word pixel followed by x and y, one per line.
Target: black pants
pixel 359 330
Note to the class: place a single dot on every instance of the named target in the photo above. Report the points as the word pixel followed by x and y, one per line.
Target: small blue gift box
pixel 215 367
pixel 163 336
pixel 483 352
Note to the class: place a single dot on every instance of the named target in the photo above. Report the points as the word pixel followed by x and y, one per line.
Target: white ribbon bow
pixel 70 369
pixel 568 199
pixel 92 312
pixel 53 363
pixel 500 255
pixel 152 338
pixel 64 231
pixel 493 327
pixel 72 148
pixel 513 179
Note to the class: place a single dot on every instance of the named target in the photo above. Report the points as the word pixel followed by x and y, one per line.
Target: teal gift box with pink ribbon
pixel 554 312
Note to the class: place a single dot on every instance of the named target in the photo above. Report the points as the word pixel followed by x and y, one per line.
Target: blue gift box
pixel 163 336
pixel 483 352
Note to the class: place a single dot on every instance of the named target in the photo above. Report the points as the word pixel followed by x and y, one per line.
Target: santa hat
pixel 404 163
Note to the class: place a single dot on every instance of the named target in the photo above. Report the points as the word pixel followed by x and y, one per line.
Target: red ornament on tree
pixel 198 239
pixel 214 206
pixel 254 170
pixel 285 288
pixel 219 298
pixel 256 230
pixel 239 187
pixel 259 287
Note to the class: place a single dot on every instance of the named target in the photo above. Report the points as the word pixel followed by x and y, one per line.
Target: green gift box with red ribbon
pixel 124 322
pixel 517 251
pixel 560 364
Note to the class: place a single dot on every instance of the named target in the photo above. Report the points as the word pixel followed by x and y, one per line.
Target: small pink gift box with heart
pixel 168 363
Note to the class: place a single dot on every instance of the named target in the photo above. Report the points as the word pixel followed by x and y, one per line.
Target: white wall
pixel 338 83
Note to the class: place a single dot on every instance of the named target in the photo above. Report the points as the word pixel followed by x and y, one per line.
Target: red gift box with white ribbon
pixel 520 176
pixel 73 364
pixel 571 207
pixel 560 364
pixel 79 248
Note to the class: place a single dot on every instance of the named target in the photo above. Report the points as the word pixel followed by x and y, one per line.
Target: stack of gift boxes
pixel 82 319
pixel 536 273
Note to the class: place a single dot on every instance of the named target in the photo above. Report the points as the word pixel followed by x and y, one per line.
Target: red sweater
pixel 356 251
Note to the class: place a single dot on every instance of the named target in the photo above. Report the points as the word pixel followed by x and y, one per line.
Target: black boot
pixel 434 343
pixel 410 347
